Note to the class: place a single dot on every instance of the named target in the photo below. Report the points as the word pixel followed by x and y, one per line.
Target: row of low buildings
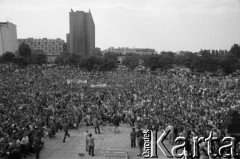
pixel 126 50
pixel 80 40
pixel 9 42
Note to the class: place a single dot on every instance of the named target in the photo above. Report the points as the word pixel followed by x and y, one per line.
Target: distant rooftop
pixel 6 23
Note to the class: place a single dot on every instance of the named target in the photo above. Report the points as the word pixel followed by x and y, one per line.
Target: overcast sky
pixel 164 25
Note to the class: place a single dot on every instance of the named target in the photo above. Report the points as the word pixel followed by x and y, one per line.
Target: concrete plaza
pixel 55 148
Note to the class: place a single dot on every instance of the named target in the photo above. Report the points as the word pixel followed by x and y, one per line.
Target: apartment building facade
pixel 51 47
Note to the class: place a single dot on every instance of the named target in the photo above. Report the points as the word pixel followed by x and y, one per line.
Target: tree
pixel 73 59
pixel 24 51
pixel 213 52
pixel 230 64
pixel 235 50
pixel 131 61
pixel 112 56
pixel 19 60
pixel 205 53
pixel 62 58
pixel 7 57
pixel 89 63
pixel 107 64
pixel 167 60
pixel 152 61
pixel 40 58
pixel 183 59
pixel 196 64
pixel 95 63
pixel 168 54
pixel 210 64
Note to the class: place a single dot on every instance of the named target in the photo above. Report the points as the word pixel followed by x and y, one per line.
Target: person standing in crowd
pixel 24 143
pixel 132 120
pixel 174 134
pixel 139 132
pixel 95 122
pixel 116 121
pixel 133 136
pixel 65 128
pixel 170 128
pixel 86 139
pixel 91 142
pixel 14 150
pixel 140 142
pixel 37 145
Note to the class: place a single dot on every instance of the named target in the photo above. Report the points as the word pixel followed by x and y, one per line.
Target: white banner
pixel 99 85
pixel 76 81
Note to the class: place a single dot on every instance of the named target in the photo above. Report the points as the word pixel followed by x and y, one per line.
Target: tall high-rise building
pixel 82 33
pixel 8 37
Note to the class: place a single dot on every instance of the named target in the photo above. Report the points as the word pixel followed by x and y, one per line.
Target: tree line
pixel 24 56
pixel 107 62
pixel 202 61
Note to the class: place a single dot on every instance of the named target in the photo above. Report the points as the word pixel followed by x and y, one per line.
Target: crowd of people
pixel 37 98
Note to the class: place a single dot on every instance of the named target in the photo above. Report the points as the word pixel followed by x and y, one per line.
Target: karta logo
pixel 151 143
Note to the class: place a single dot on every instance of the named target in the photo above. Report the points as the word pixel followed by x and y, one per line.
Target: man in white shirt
pixel 24 143
pixel 170 136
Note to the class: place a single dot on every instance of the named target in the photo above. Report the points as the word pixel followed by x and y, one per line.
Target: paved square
pixel 55 149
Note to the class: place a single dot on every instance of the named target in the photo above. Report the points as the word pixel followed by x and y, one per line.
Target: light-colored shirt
pixel 95 121
pixel 91 141
pixel 85 136
pixel 25 140
pixel 18 142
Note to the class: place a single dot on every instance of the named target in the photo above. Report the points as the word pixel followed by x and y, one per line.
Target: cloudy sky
pixel 165 25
